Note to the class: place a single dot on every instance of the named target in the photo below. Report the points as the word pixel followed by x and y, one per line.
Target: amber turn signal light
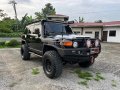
pixel 68 43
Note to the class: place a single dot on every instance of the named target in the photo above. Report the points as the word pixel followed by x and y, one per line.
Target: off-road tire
pixel 56 64
pixel 86 64
pixel 25 52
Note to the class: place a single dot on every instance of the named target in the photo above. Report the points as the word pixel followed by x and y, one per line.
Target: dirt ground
pixel 15 74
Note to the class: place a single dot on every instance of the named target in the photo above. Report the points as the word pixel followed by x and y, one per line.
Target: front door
pixel 105 33
pixel 97 35
pixel 35 44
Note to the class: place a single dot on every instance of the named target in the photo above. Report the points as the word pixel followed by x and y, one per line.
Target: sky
pixel 91 10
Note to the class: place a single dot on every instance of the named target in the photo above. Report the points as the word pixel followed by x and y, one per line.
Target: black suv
pixel 57 45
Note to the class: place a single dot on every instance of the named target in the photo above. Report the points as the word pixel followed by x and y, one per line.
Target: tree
pixel 38 15
pixel 2 14
pixel 99 21
pixel 81 19
pixel 48 10
pixel 6 25
pixel 23 22
pixel 13 2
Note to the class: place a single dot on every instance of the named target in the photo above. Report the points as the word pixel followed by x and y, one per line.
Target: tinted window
pixel 88 32
pixel 54 28
pixel 112 33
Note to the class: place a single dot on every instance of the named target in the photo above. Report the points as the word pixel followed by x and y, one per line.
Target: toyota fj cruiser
pixel 57 45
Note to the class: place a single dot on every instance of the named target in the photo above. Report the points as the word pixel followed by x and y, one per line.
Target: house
pixel 58 17
pixel 106 31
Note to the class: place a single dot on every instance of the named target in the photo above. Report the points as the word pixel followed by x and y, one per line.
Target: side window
pixel 88 32
pixel 36 31
pixel 76 32
pixel 112 33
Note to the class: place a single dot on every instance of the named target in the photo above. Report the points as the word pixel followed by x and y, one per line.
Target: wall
pixel 93 30
pixel 110 38
pixel 77 30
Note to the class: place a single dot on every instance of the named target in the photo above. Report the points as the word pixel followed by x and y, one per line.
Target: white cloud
pixel 73 8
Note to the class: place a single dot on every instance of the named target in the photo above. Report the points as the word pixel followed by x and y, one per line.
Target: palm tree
pixel 23 22
pixel 13 2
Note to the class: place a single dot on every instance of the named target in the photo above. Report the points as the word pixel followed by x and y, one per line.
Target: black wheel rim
pixel 48 66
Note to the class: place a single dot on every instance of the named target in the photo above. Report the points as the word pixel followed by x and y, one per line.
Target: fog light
pixel 75 44
pixel 88 43
pixel 97 43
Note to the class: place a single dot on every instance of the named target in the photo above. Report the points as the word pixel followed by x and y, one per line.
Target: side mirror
pixel 23 36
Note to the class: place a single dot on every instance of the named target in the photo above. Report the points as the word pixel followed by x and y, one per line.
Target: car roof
pixel 42 21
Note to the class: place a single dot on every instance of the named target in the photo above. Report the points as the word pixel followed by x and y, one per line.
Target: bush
pixel 12 43
pixel 2 43
pixel 5 30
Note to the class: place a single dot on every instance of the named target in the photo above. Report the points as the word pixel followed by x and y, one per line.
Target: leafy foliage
pixel 99 21
pixel 39 15
pixel 2 45
pixel 86 76
pixel 48 10
pixel 35 71
pixel 6 25
pixel 12 43
pixel 2 14
pixel 81 19
pixel 22 23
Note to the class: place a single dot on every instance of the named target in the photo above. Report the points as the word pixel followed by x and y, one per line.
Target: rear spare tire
pixel 52 64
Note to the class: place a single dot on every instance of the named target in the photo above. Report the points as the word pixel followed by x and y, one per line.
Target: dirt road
pixel 15 74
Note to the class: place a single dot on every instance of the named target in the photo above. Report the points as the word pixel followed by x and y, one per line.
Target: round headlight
pixel 88 43
pixel 97 43
pixel 75 44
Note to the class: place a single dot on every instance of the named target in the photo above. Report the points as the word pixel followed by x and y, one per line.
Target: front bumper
pixel 76 54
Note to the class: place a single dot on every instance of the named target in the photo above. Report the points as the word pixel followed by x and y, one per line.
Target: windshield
pixel 53 28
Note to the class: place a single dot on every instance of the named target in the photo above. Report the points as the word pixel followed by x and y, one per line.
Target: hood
pixel 70 36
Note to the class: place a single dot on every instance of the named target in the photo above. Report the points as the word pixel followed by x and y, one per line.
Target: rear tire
pixel 25 52
pixel 52 64
pixel 87 63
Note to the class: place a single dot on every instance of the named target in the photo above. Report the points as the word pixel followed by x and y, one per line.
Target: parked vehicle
pixel 57 45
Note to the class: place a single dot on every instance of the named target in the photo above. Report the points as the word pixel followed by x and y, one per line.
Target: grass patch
pixel 84 83
pixel 10 44
pixel 86 76
pixel 35 71
pixel 114 83
pixel 99 77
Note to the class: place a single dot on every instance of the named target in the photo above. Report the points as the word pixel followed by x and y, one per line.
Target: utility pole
pixel 13 2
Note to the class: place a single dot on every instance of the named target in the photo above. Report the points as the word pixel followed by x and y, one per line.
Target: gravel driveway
pixel 15 74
